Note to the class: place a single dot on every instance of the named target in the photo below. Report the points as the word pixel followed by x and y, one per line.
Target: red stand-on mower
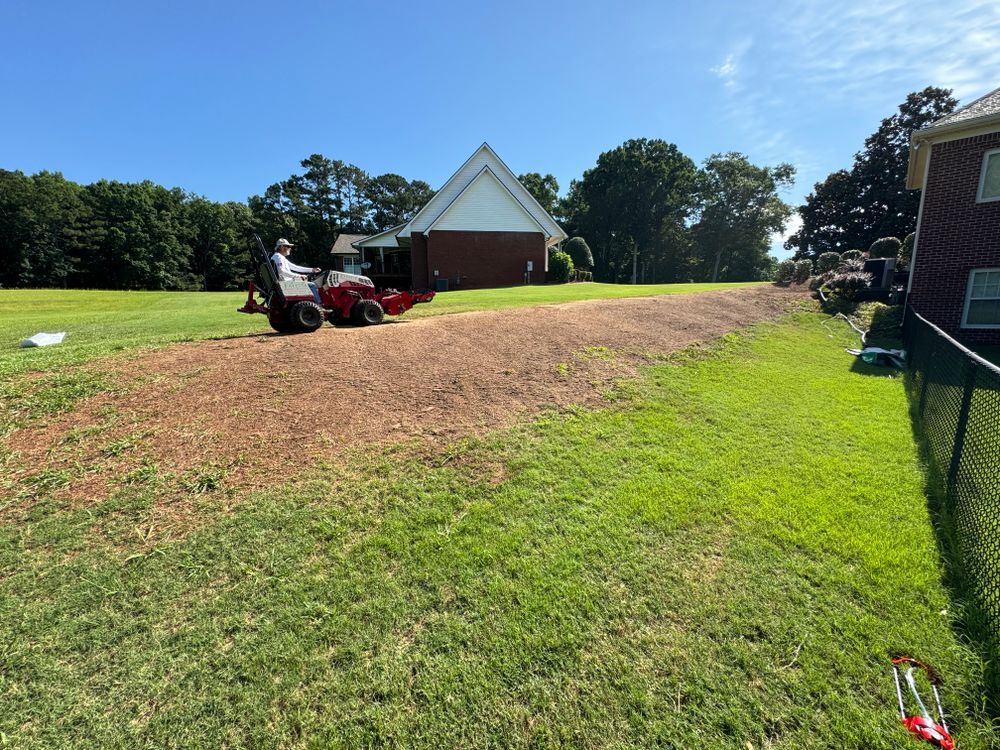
pixel 291 308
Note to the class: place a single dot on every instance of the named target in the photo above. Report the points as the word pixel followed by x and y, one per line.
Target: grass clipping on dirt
pixel 725 558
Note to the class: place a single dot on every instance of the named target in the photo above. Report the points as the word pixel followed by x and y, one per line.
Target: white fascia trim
pixel 562 234
pixel 365 242
pixel 920 218
pixel 473 181
pixel 406 231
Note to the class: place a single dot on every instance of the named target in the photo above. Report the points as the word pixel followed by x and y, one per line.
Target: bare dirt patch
pixel 252 411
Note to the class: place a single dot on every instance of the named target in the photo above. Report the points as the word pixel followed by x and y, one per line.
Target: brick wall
pixel 482 259
pixel 418 262
pixel 956 235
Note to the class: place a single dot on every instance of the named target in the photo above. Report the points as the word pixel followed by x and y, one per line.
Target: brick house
pixel 955 270
pixel 481 229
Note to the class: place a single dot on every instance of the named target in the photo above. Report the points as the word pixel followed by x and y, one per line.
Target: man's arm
pixel 300 269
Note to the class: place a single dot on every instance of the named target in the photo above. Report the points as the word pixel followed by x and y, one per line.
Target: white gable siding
pixel 484 157
pixel 486 206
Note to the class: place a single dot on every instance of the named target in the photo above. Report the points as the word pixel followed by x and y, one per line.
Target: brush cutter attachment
pixel 921 725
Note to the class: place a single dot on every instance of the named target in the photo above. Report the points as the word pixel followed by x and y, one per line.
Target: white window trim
pixel 968 301
pixel 982 178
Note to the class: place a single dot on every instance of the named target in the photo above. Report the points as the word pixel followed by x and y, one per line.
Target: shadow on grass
pixel 970 620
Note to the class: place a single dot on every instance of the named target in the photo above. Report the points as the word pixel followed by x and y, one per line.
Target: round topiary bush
pixel 578 249
pixel 887 247
pixel 852 255
pixel 803 270
pixel 785 272
pixel 827 262
pixel 560 267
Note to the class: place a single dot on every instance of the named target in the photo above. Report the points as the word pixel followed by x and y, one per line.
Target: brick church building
pixel 481 229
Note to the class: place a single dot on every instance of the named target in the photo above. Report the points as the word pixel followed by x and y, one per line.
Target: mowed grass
pixel 99 323
pixel 524 296
pixel 725 557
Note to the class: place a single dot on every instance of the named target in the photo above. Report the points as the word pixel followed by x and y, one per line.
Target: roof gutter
pixel 920 140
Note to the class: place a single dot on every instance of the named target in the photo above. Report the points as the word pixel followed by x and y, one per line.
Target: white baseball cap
pixel 283 243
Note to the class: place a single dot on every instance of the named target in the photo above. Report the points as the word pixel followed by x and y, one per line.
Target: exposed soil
pixel 254 410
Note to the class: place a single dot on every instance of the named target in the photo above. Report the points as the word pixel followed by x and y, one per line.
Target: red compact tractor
pixel 290 306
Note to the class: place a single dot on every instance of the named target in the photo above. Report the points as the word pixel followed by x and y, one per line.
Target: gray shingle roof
pixel 981 107
pixel 342 245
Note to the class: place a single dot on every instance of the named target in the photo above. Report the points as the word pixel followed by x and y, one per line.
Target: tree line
pixel 852 208
pixel 116 235
pixel 648 212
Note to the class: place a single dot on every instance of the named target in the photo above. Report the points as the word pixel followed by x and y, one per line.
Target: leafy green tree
pixel 218 235
pixel 853 208
pixel 578 249
pixel 392 199
pixel 38 218
pixel 741 210
pixel 133 238
pixel 634 206
pixel 544 188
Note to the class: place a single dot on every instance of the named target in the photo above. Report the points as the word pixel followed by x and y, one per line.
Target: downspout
pixel 920 217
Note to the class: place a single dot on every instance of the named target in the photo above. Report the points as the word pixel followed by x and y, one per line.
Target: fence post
pixel 963 421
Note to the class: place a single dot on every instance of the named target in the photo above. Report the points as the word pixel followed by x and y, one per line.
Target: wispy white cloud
pixel 729 69
pixel 861 48
pixel 811 62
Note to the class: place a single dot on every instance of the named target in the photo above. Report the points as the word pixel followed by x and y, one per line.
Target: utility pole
pixel 635 260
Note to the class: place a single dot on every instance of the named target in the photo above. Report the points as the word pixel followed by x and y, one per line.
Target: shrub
pixel 827 262
pixel 880 319
pixel 847 284
pixel 803 270
pixel 578 249
pixel 785 272
pixel 906 251
pixel 887 247
pixel 560 267
pixel 852 254
pixel 852 264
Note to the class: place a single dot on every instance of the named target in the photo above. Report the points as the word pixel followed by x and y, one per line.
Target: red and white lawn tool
pixel 921 725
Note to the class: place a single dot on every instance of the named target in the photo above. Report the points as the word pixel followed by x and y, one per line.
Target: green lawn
pixel 104 322
pixel 523 296
pixel 725 557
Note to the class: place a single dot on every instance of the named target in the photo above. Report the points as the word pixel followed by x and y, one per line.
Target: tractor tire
pixel 279 322
pixel 306 317
pixel 367 312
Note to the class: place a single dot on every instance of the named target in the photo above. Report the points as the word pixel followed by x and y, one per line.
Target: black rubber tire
pixel 279 322
pixel 367 312
pixel 306 317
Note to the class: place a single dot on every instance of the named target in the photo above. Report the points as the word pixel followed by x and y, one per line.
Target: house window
pixel 982 301
pixel 352 264
pixel 989 180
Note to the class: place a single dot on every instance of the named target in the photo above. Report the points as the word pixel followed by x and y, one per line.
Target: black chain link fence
pixel 955 396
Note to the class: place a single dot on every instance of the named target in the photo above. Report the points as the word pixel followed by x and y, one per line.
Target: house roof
pixel 484 156
pixel 385 238
pixel 975 118
pixel 984 106
pixel 498 208
pixel 342 245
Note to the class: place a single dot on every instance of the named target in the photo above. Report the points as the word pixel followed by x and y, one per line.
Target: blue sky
pixel 224 98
